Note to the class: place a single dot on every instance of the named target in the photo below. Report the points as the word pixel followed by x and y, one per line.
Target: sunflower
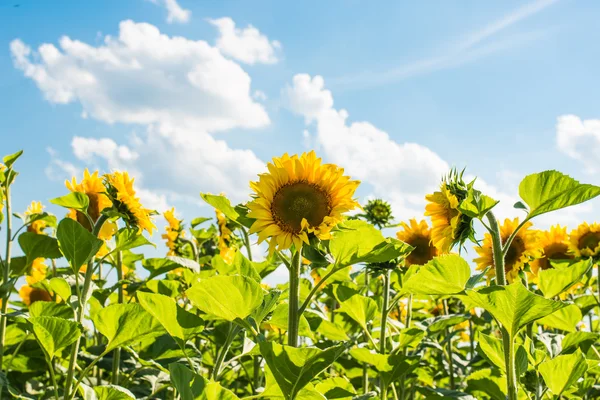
pixel 225 245
pixel 92 186
pixel 585 240
pixel 554 245
pixel 299 196
pixel 30 295
pixel 522 250
pixel 418 235
pixel 445 217
pixel 174 231
pixel 464 331
pixel 123 195
pixel 38 271
pixel 378 212
pixel 39 225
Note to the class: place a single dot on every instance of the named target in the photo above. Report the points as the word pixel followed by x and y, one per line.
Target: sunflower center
pixel 516 249
pixel 589 240
pixel 555 251
pixel 300 200
pixel 423 251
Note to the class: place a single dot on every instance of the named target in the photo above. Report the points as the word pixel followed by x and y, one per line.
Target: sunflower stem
pixel 117 352
pixel 294 299
pixel 6 269
pixel 509 344
pixel 383 332
pixel 89 272
pixel 449 349
pixel 598 283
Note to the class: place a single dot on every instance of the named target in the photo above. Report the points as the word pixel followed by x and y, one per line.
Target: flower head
pixel 37 272
pixel 30 295
pixel 522 250
pixel 585 240
pixel 378 212
pixel 554 245
pixel 39 225
pixel 93 187
pixel 174 230
pixel 299 196
pixel 449 225
pixel 225 243
pixel 418 235
pixel 120 190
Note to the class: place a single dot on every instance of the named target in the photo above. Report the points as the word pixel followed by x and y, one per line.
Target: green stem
pixel 497 249
pixel 193 247
pixel 117 353
pixel 52 377
pixel 14 354
pixel 511 369
pixel 294 299
pixel 231 334
pixel 247 243
pixel 89 272
pixel 449 350
pixel 314 290
pixel 598 283
pixel 6 269
pixel 84 373
pixel 383 332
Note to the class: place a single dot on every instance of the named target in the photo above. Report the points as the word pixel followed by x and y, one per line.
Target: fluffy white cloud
pixel 247 45
pixel 145 77
pixel 86 149
pixel 579 139
pixel 175 13
pixel 400 172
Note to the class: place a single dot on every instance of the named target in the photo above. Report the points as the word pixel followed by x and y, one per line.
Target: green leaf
pixel 360 308
pixel 129 238
pixel 37 246
pixel 551 190
pixel 356 241
pixel 578 340
pixel 554 281
pixel 192 386
pixel 113 392
pixel 76 243
pixel 440 393
pixel 294 368
pixel 493 350
pixel 410 338
pixel 50 309
pixel 513 306
pixel 336 388
pixel 178 322
pixel 10 159
pixel 563 371
pixel 197 221
pixel 158 266
pixel 124 324
pixel 61 287
pixel 227 297
pixel 186 263
pixel 487 382
pixel 393 367
pixel 438 324
pixel 279 319
pixel 75 200
pixel 444 275
pixel 222 204
pixel 565 318
pixel 476 204
pixel 54 334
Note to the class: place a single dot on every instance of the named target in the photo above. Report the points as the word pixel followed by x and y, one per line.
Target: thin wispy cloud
pixel 474 46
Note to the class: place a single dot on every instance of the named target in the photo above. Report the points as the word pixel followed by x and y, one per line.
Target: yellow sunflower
pixel 298 196
pixel 418 235
pixel 174 230
pixel 30 295
pixel 123 195
pixel 226 250
pixel 522 250
pixel 93 187
pixel 36 226
pixel 442 207
pixel 465 332
pixel 38 271
pixel 554 245
pixel 585 240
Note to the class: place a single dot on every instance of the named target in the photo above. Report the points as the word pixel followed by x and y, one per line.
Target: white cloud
pixel 175 13
pixel 59 169
pixel 400 172
pixel 86 149
pixel 247 45
pixel 145 77
pixel 579 139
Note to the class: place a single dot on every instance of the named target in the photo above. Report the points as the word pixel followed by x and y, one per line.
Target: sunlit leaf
pixel 444 275
pixel 554 281
pixel 54 333
pixel 76 243
pixel 565 318
pixel 563 371
pixel 75 200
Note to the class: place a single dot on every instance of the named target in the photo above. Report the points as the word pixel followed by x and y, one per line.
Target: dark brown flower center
pixel 554 251
pixel 516 249
pixel 299 200
pixel 423 252
pixel 589 241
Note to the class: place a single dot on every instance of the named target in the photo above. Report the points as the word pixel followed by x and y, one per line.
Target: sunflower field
pixel 87 315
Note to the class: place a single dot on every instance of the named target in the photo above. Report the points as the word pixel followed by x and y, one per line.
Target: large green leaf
pixel 392 367
pixel 565 318
pixel 356 241
pixel 50 309
pixel 37 246
pixel 178 322
pixel 513 306
pixel 563 371
pixel 192 386
pixel 493 349
pixel 578 340
pixel 360 308
pixel 124 324
pixel 158 266
pixel 222 204
pixel 552 190
pixel 444 275
pixel 61 287
pixel 294 368
pixel 554 281
pixel 279 319
pixel 113 392
pixel 227 297
pixel 476 204
pixel 75 200
pixel 10 159
pixel 129 238
pixel 76 243
pixel 488 382
pixel 54 333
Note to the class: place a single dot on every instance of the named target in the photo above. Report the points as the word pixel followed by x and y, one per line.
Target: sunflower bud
pixel 378 213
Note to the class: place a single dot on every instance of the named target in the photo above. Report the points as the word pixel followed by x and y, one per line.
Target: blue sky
pixel 196 96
